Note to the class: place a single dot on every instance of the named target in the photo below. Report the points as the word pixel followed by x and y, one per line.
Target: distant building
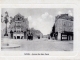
pixel 18 27
pixel 36 33
pixel 63 27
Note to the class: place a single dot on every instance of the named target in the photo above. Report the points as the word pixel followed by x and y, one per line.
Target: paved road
pixel 41 45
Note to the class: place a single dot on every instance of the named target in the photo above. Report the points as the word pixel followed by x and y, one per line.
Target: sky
pixel 41 19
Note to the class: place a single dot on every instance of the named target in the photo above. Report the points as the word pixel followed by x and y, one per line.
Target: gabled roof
pixel 18 17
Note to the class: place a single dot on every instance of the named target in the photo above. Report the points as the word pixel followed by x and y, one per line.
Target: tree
pixel 6 21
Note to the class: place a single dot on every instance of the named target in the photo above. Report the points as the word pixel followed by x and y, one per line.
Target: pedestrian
pixel 31 36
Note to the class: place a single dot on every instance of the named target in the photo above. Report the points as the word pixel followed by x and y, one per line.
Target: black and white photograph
pixel 37 29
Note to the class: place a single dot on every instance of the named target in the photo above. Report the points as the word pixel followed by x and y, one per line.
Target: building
pixel 36 33
pixel 18 27
pixel 63 27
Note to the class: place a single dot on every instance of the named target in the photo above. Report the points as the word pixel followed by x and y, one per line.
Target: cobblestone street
pixel 42 44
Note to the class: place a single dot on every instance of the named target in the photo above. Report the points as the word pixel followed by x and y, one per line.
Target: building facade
pixel 63 27
pixel 18 27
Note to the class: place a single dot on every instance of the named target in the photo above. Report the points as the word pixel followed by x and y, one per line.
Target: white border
pixel 51 53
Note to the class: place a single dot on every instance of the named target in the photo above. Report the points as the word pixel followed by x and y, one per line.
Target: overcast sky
pixel 39 18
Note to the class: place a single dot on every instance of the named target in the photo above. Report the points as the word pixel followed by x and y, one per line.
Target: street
pixel 42 44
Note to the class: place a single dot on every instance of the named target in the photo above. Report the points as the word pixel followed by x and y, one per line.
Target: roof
pixel 64 16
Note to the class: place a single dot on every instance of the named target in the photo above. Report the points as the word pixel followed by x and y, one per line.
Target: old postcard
pixel 38 29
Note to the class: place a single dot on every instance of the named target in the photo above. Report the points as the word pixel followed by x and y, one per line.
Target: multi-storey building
pixel 18 27
pixel 63 27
